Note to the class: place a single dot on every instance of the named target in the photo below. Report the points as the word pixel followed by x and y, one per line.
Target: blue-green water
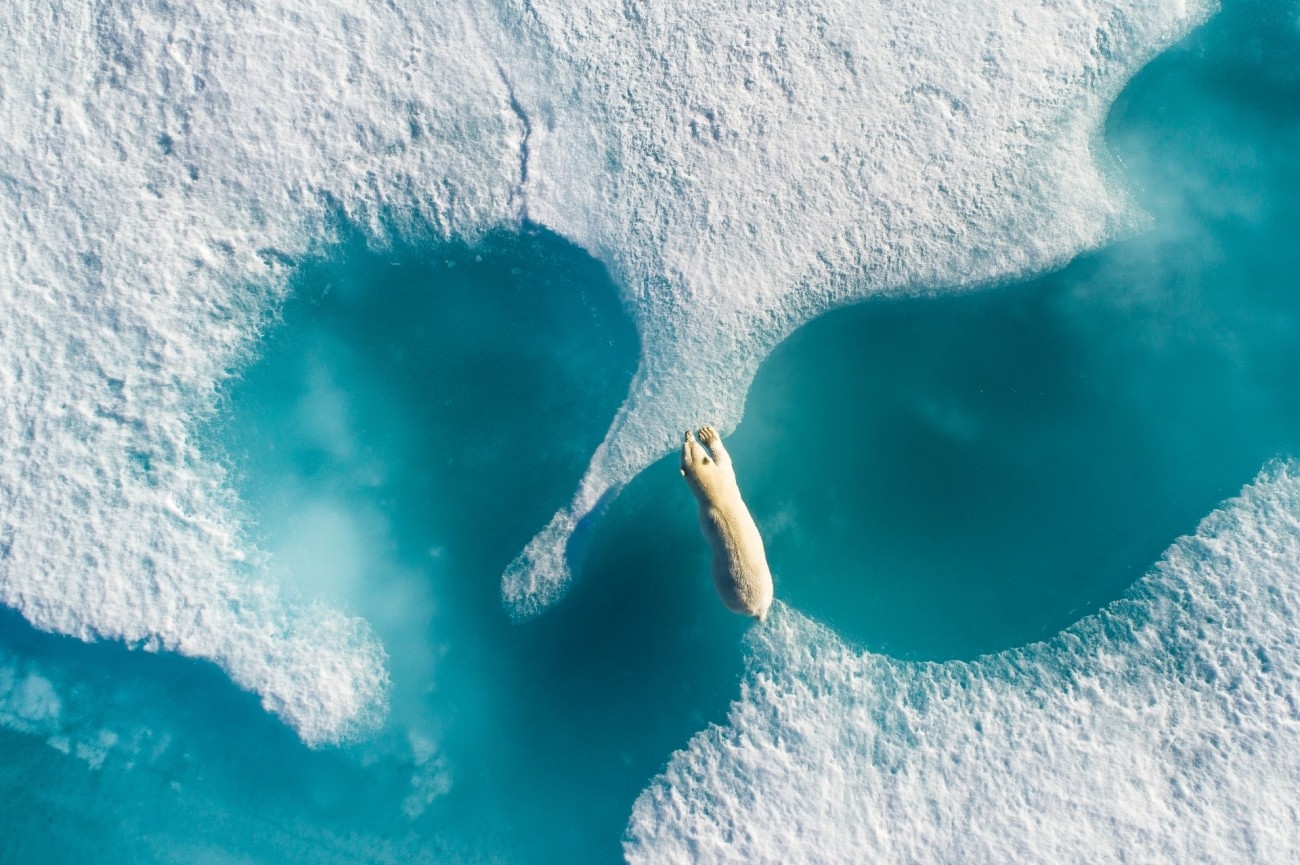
pixel 936 478
pixel 437 405
pixel 986 469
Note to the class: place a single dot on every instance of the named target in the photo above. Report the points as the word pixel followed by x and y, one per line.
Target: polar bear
pixel 740 572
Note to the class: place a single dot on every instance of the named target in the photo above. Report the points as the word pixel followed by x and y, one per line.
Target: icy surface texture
pixel 1164 729
pixel 744 166
pixel 159 160
pixel 740 168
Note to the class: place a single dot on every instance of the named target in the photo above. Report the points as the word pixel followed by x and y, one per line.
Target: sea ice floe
pixel 744 166
pixel 740 167
pixel 1166 728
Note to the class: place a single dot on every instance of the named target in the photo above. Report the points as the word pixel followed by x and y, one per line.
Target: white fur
pixel 740 572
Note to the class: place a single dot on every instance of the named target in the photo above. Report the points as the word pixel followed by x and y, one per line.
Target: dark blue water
pixel 936 478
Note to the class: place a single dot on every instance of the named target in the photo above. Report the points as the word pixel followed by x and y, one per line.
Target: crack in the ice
pixel 527 125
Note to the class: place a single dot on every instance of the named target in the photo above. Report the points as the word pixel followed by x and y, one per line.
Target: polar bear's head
pixel 693 455
pixel 704 474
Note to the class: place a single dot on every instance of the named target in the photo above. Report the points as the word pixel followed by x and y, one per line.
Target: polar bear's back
pixel 740 572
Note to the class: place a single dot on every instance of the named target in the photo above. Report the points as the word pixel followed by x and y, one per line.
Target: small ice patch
pixel 31 703
pixel 33 700
pixel 430 778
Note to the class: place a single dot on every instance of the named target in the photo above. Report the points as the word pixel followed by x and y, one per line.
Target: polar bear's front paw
pixel 708 435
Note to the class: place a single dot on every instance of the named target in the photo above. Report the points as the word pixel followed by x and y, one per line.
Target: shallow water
pixel 403 425
pixel 937 478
